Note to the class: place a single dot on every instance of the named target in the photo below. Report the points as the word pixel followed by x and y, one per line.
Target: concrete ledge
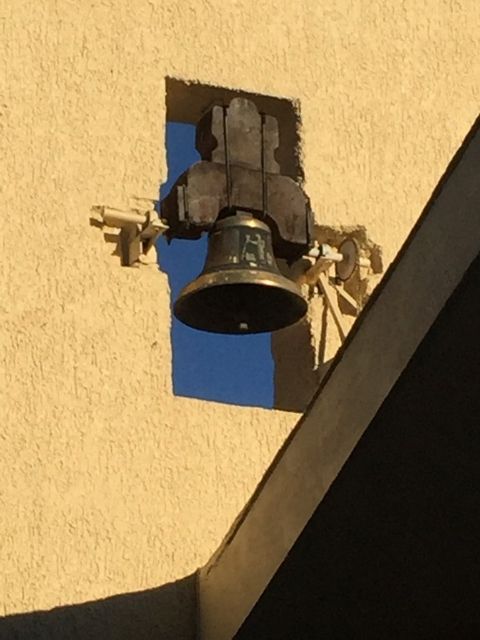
pixel 431 264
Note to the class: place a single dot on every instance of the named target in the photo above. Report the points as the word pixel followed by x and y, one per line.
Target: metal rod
pixel 326 252
pixel 115 218
pixel 346 296
pixel 333 305
pixel 264 172
pixel 228 176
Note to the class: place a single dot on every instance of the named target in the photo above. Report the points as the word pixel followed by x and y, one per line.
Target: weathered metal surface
pixel 240 289
pixel 244 136
pixel 200 194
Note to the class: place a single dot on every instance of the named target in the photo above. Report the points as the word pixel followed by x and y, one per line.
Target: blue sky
pixel 232 369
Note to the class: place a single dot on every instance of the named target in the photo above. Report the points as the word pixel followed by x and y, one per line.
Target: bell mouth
pixel 240 302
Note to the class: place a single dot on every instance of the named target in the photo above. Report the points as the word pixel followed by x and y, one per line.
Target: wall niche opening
pixel 232 369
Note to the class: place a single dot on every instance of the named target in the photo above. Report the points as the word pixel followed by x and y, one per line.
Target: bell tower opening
pixel 220 368
pixel 236 369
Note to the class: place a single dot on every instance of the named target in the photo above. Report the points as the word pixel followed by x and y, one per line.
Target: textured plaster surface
pixel 111 484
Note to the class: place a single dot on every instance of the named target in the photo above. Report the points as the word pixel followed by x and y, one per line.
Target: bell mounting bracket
pixel 238 170
pixel 343 261
pixel 140 227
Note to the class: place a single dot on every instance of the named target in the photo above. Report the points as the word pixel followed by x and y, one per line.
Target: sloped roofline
pixel 428 268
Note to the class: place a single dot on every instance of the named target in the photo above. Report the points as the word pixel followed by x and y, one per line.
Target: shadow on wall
pixel 165 613
pixel 296 378
pixel 302 355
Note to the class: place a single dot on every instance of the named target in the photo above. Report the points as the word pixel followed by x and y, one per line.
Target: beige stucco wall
pixel 111 484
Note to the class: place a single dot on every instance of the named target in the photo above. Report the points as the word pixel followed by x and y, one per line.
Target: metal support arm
pixel 138 231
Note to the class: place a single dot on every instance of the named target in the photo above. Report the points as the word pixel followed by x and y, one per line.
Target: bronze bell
pixel 240 289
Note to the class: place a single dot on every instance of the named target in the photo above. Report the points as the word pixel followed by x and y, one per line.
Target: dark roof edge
pixel 445 240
